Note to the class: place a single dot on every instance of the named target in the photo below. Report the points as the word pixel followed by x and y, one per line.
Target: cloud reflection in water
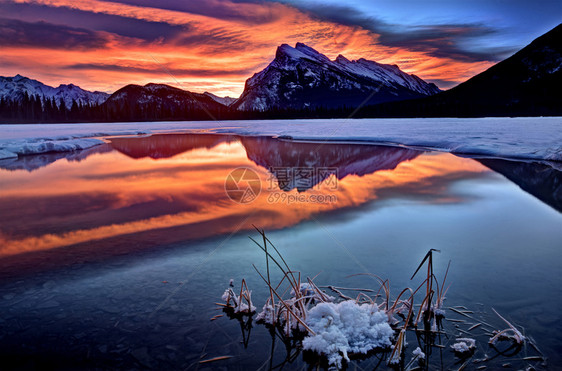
pixel 134 193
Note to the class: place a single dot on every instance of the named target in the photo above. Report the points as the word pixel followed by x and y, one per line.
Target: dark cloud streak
pixel 139 31
pixel 157 70
pixel 16 33
pixel 225 9
pixel 438 40
pixel 146 31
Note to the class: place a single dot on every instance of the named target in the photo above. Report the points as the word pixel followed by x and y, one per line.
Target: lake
pixel 114 256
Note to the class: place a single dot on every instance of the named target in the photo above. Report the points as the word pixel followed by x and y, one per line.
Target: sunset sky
pixel 215 45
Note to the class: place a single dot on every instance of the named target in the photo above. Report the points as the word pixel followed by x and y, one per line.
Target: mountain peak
pixel 341 59
pixel 306 49
pixel 285 51
pixel 301 76
pixel 311 52
pixel 67 86
pixel 154 87
pixel 19 78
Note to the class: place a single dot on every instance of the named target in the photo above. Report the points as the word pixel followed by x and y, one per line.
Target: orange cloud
pixel 209 53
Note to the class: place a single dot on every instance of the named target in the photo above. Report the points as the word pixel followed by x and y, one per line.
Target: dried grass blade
pixel 461 313
pixel 220 358
pixel 475 326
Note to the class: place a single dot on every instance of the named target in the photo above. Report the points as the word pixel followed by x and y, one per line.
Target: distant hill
pixel 159 101
pixel 227 101
pixel 526 84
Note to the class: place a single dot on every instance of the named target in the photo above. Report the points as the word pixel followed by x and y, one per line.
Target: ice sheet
pixel 524 138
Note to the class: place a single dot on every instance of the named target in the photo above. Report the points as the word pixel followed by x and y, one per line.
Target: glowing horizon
pixel 216 45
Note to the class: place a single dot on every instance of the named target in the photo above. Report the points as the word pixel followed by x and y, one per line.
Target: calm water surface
pixel 113 257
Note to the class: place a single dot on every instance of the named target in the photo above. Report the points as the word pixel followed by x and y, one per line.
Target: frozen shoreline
pixel 537 138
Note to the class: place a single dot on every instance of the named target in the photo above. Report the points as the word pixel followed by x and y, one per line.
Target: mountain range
pixel 302 82
pixel 15 88
pixel 297 78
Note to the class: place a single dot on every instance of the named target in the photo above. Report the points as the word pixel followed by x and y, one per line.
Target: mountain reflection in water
pixel 542 180
pixel 165 146
pixel 134 193
pixel 282 157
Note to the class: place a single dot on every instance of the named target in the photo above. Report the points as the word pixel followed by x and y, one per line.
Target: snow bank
pixel 21 140
pixel 4 154
pixel 538 138
pixel 73 131
pixel 523 138
pixel 464 345
pixel 346 327
pixel 38 146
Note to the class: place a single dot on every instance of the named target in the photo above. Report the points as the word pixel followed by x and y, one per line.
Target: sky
pixel 215 45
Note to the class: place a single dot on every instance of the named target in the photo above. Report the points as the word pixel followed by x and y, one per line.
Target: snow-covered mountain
pixel 301 77
pixel 14 88
pixel 227 101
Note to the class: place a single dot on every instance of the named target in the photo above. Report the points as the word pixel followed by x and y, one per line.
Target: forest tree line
pixel 34 109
